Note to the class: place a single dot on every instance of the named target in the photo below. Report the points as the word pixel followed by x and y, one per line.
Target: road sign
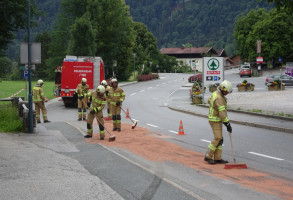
pixel 25 74
pixel 35 53
pixel 259 59
pixel 213 70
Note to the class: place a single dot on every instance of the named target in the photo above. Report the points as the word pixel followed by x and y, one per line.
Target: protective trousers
pixel 40 105
pixel 100 120
pixel 116 116
pixel 82 106
pixel 215 147
pixel 109 108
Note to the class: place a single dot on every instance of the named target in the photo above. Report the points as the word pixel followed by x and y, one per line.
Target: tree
pixel 13 15
pixel 275 31
pixel 5 66
pixel 287 4
pixel 114 34
pixel 82 44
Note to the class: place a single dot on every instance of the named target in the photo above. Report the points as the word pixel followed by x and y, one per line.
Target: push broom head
pixel 112 138
pixel 235 166
pixel 134 124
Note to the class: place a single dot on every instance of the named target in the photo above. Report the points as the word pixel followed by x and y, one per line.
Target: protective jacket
pixel 82 89
pixel 38 94
pixel 218 104
pixel 116 95
pixel 98 102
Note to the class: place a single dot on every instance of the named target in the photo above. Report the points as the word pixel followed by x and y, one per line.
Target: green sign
pixel 213 64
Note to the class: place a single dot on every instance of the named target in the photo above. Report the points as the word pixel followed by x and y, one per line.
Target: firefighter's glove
pixel 228 126
pixel 118 103
pixel 94 111
pixel 107 93
pixel 80 97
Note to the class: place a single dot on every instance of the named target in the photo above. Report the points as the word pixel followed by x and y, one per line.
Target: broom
pixel 134 122
pixel 112 137
pixel 234 165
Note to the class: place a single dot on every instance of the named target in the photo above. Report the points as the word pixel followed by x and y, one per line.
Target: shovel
pixel 234 165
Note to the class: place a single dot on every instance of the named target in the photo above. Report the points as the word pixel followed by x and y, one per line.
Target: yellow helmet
pixel 101 89
pixel 226 87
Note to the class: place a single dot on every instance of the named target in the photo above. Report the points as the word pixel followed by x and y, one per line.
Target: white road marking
pixel 152 125
pixel 258 154
pixel 142 91
pixel 205 140
pixel 150 88
pixel 157 85
pixel 163 83
pixel 172 131
pixel 133 94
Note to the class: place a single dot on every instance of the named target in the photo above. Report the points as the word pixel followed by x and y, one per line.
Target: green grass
pixel 9 88
pixel 9 120
pixel 257 111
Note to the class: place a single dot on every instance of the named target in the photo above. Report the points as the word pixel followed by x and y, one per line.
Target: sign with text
pixel 259 59
pixel 213 70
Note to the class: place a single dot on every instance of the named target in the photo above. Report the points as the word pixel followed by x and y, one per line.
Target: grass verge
pixel 9 120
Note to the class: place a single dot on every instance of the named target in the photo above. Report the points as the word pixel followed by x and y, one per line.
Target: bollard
pixel 25 120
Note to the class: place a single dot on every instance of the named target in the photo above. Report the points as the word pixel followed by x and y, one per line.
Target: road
pixel 135 176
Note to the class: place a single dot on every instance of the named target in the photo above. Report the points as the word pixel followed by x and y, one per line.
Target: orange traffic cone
pixel 127 113
pixel 181 131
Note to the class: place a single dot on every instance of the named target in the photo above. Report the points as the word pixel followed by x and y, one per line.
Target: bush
pixel 146 77
pixel 9 120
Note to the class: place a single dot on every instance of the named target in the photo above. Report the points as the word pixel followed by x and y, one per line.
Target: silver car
pixel 288 80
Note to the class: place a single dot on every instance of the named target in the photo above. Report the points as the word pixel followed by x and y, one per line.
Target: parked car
pixel 245 70
pixel 288 80
pixel 195 78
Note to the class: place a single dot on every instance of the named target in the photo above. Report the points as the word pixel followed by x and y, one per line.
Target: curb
pixel 253 113
pixel 286 130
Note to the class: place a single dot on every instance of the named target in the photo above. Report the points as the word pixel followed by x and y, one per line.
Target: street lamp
pixel 114 65
pixel 134 55
pixel 151 65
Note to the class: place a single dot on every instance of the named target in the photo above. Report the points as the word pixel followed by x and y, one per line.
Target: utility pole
pixel 134 55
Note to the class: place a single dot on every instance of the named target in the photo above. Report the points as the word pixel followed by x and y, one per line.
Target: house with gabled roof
pixel 192 56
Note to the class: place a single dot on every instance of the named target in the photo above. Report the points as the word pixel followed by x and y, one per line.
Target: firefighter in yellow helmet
pixel 39 98
pixel 96 110
pixel 117 96
pixel 81 90
pixel 107 87
pixel 218 117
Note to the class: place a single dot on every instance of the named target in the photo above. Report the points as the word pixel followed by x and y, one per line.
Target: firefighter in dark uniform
pixel 117 96
pixel 81 90
pixel 218 117
pixel 98 102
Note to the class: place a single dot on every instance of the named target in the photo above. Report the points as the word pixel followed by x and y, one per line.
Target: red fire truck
pixel 72 71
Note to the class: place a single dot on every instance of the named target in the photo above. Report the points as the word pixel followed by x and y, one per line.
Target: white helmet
pixel 40 82
pixel 226 87
pixel 101 89
pixel 83 80
pixel 114 80
pixel 104 82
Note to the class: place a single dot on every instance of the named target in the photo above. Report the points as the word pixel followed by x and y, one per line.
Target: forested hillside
pixel 198 22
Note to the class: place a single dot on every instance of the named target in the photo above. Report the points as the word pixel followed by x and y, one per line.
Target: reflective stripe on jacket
pixel 98 102
pixel 218 103
pixel 116 95
pixel 38 94
pixel 82 89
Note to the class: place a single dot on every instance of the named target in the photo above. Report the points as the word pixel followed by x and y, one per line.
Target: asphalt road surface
pixel 134 177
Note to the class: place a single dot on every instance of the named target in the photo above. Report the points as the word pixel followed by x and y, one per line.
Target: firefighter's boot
pixel 218 156
pixel 209 156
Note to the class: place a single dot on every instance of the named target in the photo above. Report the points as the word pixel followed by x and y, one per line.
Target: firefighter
pixel 117 96
pixel 107 87
pixel 81 90
pixel 39 101
pixel 96 110
pixel 218 117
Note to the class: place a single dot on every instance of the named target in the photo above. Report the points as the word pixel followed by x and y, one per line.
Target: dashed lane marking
pixel 150 88
pixel 205 140
pixel 266 156
pixel 172 131
pixel 142 91
pixel 152 125
pixel 133 94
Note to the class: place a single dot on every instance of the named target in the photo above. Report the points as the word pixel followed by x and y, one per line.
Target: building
pixel 193 56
